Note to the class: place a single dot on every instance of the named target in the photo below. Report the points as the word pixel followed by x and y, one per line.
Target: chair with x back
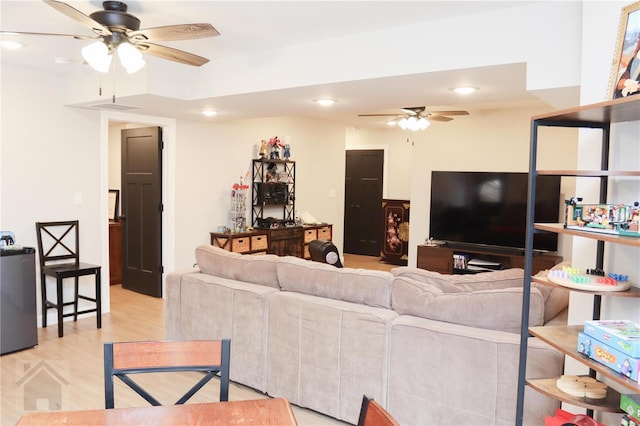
pixel 59 253
pixel 122 359
pixel 372 414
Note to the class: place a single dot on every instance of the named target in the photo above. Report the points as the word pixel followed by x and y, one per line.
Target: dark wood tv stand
pixel 439 258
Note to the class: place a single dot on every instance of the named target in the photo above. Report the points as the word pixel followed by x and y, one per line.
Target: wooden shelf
pixel 560 229
pixel 610 404
pixel 565 339
pixel 589 173
pixel 614 111
pixel 631 292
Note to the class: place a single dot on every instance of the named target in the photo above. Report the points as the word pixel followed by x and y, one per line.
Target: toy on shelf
pixel 263 151
pixel 591 279
pixel 582 386
pixel 275 145
pixel 238 208
pixel 616 219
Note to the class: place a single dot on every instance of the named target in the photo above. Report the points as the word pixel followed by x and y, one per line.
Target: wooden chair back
pixel 372 414
pixel 58 241
pixel 122 359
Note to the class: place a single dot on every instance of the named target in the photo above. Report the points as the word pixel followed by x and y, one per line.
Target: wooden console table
pixel 276 411
pixel 284 241
pixel 252 242
pixel 440 259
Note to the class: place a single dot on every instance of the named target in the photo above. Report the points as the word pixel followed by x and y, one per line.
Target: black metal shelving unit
pixel 273 191
pixel 597 116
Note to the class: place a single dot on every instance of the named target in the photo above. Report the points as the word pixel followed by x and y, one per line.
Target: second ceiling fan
pixel 417 118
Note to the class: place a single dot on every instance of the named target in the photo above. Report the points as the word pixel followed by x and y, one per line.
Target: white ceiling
pixel 248 27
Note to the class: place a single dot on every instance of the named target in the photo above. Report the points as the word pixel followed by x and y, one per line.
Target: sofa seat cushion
pixel 325 354
pixel 494 309
pixel 241 267
pixel 367 287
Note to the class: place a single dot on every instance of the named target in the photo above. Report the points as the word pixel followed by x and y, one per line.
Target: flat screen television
pixel 490 209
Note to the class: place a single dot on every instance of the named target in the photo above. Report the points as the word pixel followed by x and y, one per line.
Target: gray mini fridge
pixel 18 327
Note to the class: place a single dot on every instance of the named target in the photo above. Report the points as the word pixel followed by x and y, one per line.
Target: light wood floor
pixel 76 361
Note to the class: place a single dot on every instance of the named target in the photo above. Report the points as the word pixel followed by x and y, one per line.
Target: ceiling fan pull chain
pixel 113 97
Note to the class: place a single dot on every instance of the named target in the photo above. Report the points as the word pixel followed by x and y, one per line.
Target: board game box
pixel 620 334
pixel 630 404
pixel 609 356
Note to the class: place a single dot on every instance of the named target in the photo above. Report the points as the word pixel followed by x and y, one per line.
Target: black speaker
pixel 325 252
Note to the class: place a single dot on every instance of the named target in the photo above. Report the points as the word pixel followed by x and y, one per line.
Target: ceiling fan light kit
pixel 97 56
pixel 130 57
pixel 413 123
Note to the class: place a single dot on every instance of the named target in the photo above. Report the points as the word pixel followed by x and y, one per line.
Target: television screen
pixel 490 208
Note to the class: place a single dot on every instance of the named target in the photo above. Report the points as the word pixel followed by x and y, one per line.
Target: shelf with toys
pixel 273 186
pixel 601 222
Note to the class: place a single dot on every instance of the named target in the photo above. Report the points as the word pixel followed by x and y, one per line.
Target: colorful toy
pixel 591 279
pixel 275 145
pixel 617 219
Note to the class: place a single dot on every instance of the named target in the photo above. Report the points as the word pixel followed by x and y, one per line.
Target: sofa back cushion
pixel 493 309
pixel 248 268
pixel 506 278
pixel 367 287
pixel 555 299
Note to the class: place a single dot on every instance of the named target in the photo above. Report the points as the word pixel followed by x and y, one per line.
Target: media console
pixel 439 258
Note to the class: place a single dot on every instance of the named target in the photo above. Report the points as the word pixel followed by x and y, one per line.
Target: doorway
pixel 364 181
pixel 142 207
pixel 112 122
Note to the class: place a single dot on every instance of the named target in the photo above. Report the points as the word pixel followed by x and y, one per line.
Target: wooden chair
pixel 59 254
pixel 372 414
pixel 125 358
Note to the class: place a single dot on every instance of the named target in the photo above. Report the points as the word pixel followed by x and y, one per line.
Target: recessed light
pixel 61 61
pixel 464 90
pixel 325 102
pixel 209 112
pixel 11 44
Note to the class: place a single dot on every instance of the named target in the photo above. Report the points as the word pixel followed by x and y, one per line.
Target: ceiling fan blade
pixel 438 118
pixel 378 115
pixel 76 36
pixel 172 54
pixel 174 32
pixel 449 112
pixel 78 16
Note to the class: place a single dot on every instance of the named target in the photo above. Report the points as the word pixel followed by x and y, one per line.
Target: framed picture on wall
pixel 625 72
pixel 114 204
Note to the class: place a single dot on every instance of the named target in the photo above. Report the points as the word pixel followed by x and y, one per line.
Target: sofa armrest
pixel 457 374
pixel 172 292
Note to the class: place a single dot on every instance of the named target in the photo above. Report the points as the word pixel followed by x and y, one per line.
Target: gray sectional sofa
pixel 433 349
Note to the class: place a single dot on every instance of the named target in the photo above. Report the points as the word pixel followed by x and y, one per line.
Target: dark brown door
pixel 363 230
pixel 142 210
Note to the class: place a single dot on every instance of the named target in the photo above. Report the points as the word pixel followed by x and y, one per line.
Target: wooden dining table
pixel 272 411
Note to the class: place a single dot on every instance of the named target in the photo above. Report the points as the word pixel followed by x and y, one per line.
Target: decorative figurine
pixel 287 151
pixel 263 151
pixel 275 145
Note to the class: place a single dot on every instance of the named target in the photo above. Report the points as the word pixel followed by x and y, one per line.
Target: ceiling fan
pixel 417 118
pixel 115 28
